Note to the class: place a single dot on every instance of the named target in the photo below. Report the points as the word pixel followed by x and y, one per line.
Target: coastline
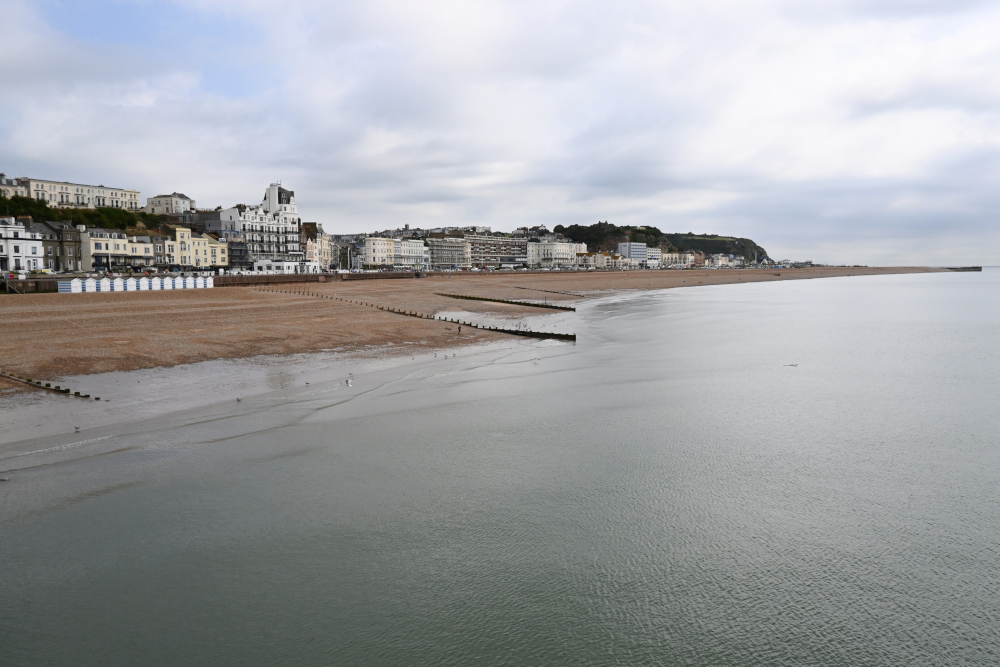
pixel 61 335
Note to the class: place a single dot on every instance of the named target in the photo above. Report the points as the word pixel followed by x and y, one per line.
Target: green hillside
pixel 111 218
pixel 606 236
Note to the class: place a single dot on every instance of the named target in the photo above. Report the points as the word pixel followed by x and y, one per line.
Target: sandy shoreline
pixel 59 335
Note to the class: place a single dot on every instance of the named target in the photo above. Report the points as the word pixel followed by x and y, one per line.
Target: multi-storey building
pixel 105 249
pixel 636 253
pixel 319 246
pixel 61 194
pixel 12 187
pixel 379 252
pixel 412 253
pixel 553 254
pixel 21 249
pixel 61 244
pixel 172 204
pixel 270 230
pixel 218 255
pixel 654 257
pixel 497 250
pixel 449 253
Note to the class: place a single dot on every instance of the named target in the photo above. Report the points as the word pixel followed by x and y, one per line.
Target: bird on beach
pixel 237 399
pixel 77 429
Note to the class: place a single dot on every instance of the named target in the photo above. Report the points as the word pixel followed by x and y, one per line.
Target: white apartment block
pixel 412 253
pixel 636 252
pixel 20 248
pixel 76 195
pixel 168 204
pixel 379 251
pixel 271 230
pixel 654 257
pixel 554 254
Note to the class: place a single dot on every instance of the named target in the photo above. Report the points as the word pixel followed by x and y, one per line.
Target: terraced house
pixel 62 194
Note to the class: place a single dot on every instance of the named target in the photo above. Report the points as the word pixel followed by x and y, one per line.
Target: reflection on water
pixel 766 474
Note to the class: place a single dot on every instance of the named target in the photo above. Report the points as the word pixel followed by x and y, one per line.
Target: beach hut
pixel 199 283
pixel 117 285
pixel 130 285
pixel 155 283
pixel 70 286
pixel 103 285
pixel 89 285
pixel 210 282
pixel 142 284
pixel 168 283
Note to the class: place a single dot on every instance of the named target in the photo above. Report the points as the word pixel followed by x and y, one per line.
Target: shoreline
pixel 62 335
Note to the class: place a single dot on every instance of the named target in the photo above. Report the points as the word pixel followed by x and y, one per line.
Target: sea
pixel 789 474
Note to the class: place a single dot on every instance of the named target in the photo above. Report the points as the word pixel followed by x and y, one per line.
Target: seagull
pixel 237 399
pixel 77 428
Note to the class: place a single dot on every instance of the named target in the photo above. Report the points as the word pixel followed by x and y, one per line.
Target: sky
pixel 846 131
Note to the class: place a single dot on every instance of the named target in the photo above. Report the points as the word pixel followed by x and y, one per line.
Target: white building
pixel 554 254
pixel 20 248
pixel 654 257
pixel 636 253
pixel 270 230
pixel 379 252
pixel 168 204
pixel 12 187
pixel 412 253
pixel 76 195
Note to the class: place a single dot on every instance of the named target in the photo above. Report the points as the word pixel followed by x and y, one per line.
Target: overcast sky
pixel 845 131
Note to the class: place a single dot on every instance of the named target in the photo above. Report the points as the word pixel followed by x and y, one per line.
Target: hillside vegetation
pixel 111 218
pixel 606 236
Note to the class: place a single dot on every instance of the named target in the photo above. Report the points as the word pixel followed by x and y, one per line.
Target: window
pixel 69 253
pixel 34 250
pixel 118 246
pixel 50 253
pixel 97 246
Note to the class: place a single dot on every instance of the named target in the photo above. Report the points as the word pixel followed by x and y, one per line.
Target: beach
pixel 59 335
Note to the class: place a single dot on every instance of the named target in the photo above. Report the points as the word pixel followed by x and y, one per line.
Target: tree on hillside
pixel 111 218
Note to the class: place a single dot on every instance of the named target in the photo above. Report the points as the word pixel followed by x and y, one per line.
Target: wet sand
pixel 48 336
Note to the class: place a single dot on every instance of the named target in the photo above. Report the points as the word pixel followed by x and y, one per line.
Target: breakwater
pixel 507 301
pixel 47 386
pixel 423 316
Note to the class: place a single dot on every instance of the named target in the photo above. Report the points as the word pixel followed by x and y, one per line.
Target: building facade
pixel 61 244
pixel 412 254
pixel 379 252
pixel 12 187
pixel 60 194
pixel 172 204
pixel 446 254
pixel 319 246
pixel 553 254
pixel 21 249
pixel 271 230
pixel 493 251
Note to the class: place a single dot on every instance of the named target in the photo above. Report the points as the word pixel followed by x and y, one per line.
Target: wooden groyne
pixel 47 386
pixel 507 301
pixel 423 316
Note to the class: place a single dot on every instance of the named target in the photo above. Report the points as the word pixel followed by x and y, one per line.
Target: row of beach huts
pixel 133 284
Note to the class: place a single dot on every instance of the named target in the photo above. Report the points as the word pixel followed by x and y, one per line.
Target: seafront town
pixel 170 234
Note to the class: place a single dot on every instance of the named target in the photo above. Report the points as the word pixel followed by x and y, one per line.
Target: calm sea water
pixel 797 473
